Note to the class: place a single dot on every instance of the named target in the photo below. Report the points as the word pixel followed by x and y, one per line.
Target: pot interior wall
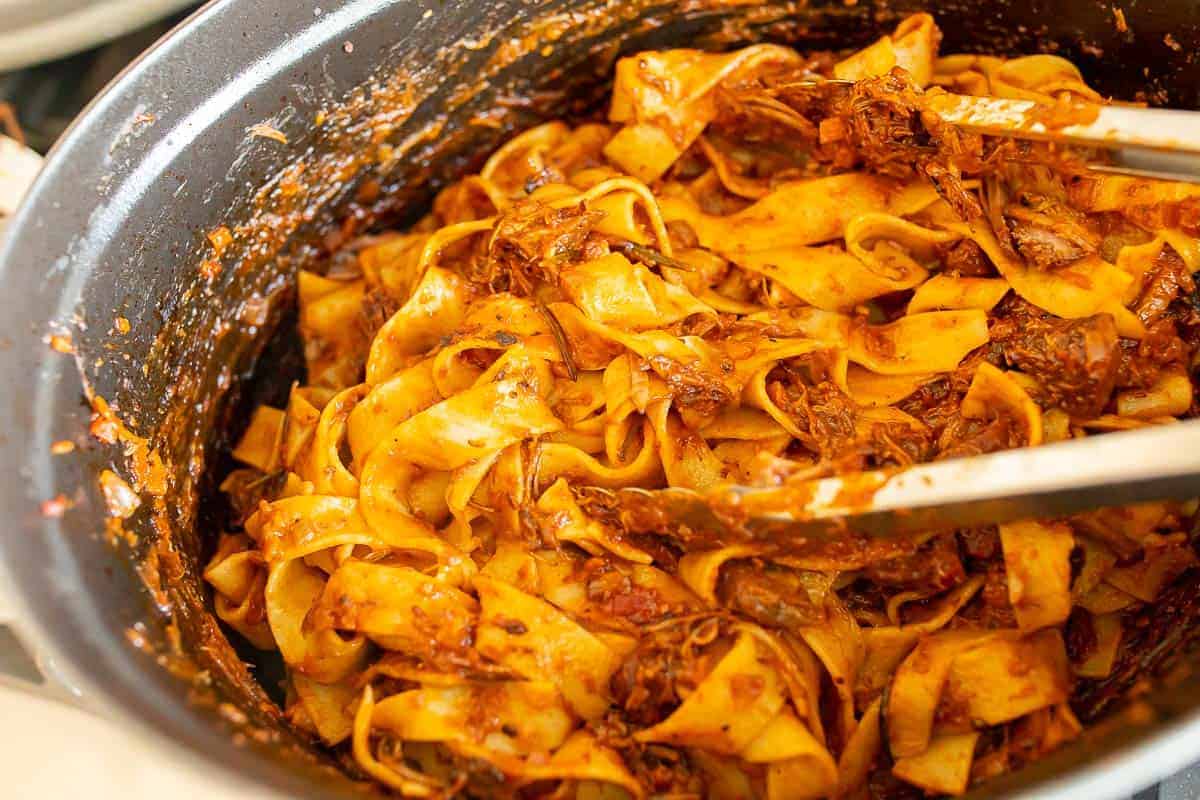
pixel 127 239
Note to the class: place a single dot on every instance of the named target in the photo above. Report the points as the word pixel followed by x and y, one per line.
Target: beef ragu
pixel 751 274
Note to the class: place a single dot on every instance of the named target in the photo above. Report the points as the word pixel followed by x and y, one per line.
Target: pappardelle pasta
pixel 749 274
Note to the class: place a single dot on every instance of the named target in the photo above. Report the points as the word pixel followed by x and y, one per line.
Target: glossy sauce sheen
pixel 743 276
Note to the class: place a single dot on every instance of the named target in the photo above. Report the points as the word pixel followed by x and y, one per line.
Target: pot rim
pixel 1117 775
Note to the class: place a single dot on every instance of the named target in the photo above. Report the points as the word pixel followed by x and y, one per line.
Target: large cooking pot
pixel 380 101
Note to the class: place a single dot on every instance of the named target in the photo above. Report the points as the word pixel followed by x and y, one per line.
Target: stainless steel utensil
pixel 1158 143
pixel 1114 469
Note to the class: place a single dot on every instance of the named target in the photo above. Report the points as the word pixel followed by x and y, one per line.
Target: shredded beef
pixel 965 258
pixel 897 444
pixel 990 608
pixel 531 242
pixel 1153 635
pixel 822 410
pixel 932 569
pixel 1080 635
pixel 1075 360
pixel 1167 279
pixel 377 308
pixel 691 387
pixel 1141 362
pixel 980 544
pixel 947 180
pixel 768 594
pixel 653 679
pixel 1047 233
pixel 934 403
pixel 884 123
pixel 964 437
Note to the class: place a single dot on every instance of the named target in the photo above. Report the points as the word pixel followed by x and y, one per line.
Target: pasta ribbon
pixel 944 767
pixel 238 577
pixel 995 393
pixel 766 269
pixel 878 260
pixel 1088 286
pixel 612 291
pixel 291 590
pixel 397 607
pixel 884 647
pixel 1037 562
pixel 524 717
pixel 798 766
pixel 665 101
pixel 1005 678
pixel 935 341
pixel 386 405
pixel 874 390
pixel 326 707
pixel 945 292
pixel 454 432
pixel 539 642
pixel 854 766
pixel 570 524
pixel 582 758
pixel 794 215
pixel 261 444
pixel 328 309
pixel 917 688
pixel 911 47
pixel 435 309
pixel 729 709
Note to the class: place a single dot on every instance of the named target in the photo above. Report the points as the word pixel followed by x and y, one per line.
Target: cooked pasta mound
pixel 749 274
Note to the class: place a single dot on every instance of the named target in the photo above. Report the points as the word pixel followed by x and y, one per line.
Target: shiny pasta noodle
pixel 747 277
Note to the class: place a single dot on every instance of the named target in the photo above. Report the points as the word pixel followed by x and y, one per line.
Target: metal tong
pixel 1113 469
pixel 1156 463
pixel 1156 143
pixel 1160 143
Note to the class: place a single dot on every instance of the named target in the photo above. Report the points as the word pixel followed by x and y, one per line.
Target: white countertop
pixel 51 750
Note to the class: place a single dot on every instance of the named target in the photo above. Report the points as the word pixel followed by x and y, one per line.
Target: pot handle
pixel 23 666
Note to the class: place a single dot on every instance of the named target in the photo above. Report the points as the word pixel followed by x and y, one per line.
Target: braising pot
pixel 379 101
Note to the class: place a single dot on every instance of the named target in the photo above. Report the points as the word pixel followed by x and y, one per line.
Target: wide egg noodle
pixel 714 717
pixel 386 405
pixel 291 590
pixel 398 607
pixel 328 309
pixel 449 532
pixel 947 293
pixel 877 259
pixel 1086 287
pixel 326 706
pixel 912 47
pixel 238 577
pixel 612 291
pixel 434 310
pixel 569 524
pixel 663 115
pixel 934 341
pixel 796 214
pixel 323 465
pixel 1037 561
pixel 552 646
